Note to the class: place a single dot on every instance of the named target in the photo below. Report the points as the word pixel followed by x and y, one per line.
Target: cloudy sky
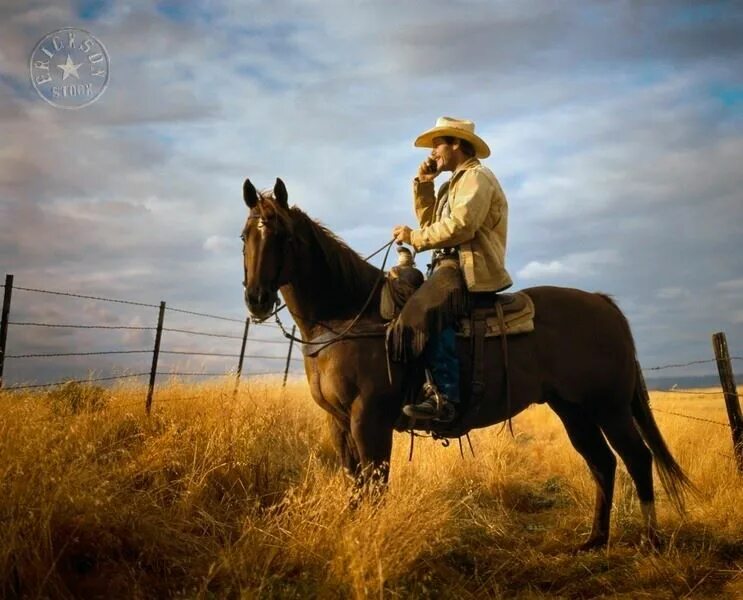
pixel 616 130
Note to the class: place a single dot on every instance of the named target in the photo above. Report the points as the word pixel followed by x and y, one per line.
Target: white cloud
pixel 672 293
pixel 540 270
pixel 220 243
pixel 571 266
pixel 733 285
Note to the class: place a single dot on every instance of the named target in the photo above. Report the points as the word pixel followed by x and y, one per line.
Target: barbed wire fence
pixel 722 359
pixel 155 351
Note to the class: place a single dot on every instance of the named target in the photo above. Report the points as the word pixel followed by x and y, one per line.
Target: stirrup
pixel 445 410
pixel 447 413
pixel 423 410
pixel 435 405
pixel 427 410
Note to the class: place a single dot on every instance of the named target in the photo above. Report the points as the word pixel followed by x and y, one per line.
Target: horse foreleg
pixel 372 433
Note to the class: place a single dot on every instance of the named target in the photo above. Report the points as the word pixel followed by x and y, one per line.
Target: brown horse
pixel 580 359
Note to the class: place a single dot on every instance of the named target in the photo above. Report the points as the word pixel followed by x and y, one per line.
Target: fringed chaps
pixel 437 304
pixel 400 285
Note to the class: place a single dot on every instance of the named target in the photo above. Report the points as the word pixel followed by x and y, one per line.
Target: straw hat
pixel 458 128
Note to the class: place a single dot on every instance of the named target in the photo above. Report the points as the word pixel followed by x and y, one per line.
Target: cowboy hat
pixel 458 128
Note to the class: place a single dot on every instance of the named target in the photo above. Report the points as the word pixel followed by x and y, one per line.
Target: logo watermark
pixel 69 68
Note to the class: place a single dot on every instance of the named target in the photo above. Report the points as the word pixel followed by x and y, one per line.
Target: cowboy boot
pixel 441 391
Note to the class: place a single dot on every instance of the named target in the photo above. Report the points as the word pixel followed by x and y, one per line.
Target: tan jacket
pixel 476 223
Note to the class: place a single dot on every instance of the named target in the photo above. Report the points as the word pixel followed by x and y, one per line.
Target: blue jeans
pixel 441 357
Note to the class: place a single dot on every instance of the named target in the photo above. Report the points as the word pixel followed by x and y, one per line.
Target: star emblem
pixel 70 68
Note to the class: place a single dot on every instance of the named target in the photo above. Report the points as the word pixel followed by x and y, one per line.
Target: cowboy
pixel 465 223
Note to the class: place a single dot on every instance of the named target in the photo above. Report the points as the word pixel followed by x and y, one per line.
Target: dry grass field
pixel 219 498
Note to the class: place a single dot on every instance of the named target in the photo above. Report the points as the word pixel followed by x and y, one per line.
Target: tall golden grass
pixel 214 496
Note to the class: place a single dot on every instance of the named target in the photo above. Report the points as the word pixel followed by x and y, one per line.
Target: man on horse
pixel 465 223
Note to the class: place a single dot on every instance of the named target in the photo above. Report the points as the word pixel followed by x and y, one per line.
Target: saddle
pixel 517 311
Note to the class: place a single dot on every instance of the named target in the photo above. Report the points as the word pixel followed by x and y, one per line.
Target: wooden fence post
pixel 155 356
pixel 4 322
pixel 289 354
pixel 242 357
pixel 727 380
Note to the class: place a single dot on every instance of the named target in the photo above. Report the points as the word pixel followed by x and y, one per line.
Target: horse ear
pixel 249 194
pixel 280 193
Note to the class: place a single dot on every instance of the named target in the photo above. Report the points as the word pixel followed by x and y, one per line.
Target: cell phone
pixel 431 165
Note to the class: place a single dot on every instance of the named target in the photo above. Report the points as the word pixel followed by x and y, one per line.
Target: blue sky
pixel 615 127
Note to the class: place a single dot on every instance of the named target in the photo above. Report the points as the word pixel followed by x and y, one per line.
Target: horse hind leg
pixel 345 447
pixel 588 440
pixel 624 437
pixel 372 433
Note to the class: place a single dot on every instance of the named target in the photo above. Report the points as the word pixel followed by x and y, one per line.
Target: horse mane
pixel 346 269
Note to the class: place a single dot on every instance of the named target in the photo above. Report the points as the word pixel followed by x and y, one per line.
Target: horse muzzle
pixel 260 303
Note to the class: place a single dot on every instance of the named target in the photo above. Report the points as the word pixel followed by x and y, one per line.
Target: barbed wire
pixel 690 392
pixel 133 375
pixel 70 326
pixel 690 363
pixel 245 375
pixel 669 412
pixel 220 354
pixel 203 333
pixel 86 297
pixel 57 354
pixel 88 380
pixel 261 341
pixel 194 353
pixel 131 303
pixel 141 328
pixel 196 373
pixel 211 316
pixel 206 315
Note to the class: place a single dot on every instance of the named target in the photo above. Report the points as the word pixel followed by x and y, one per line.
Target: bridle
pixel 347 329
pixel 262 221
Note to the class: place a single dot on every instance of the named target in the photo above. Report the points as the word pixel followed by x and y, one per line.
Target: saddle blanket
pixel 518 317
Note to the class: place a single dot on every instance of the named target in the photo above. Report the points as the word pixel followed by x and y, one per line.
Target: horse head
pixel 267 256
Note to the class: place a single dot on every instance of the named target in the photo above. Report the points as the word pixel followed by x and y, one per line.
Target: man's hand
pixel 401 233
pixel 428 170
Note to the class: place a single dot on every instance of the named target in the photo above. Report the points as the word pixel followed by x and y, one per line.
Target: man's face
pixel 444 155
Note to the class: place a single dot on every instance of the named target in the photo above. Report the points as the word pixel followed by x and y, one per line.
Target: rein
pixel 350 326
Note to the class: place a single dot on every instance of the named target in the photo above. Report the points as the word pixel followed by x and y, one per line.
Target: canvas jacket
pixel 475 221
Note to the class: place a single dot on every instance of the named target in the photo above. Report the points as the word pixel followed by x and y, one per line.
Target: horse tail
pixel 675 482
pixel 672 477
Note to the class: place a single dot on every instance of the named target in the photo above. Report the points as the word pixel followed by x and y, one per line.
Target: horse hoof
pixel 593 543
